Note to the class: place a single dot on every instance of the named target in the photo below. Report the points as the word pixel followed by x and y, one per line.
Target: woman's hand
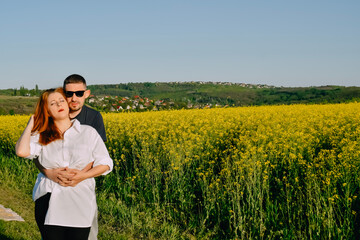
pixel 75 177
pixel 69 177
pixel 80 176
pixel 58 175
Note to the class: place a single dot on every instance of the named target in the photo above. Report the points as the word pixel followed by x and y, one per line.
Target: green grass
pixel 22 204
pixel 116 219
pixel 15 192
pixel 17 105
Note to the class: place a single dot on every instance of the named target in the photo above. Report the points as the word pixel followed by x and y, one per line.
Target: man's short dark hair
pixel 74 78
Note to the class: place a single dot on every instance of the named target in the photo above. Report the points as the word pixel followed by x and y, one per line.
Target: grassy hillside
pixel 174 91
pixel 237 94
pixel 196 93
pixel 17 105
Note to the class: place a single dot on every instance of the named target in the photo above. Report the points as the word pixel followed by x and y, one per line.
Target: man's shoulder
pixel 93 118
pixel 90 112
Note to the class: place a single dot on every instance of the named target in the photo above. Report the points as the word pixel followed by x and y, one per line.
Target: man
pixel 76 94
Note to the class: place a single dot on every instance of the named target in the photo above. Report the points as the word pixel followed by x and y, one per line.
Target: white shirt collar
pixel 76 125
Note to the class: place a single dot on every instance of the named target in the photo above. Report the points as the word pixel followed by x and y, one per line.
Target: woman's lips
pixel 61 110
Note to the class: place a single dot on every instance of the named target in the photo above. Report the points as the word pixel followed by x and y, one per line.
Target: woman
pixel 63 212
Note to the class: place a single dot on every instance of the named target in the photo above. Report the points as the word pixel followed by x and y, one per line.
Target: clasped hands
pixel 67 177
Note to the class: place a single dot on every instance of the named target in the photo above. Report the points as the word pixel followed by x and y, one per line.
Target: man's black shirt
pixel 91 117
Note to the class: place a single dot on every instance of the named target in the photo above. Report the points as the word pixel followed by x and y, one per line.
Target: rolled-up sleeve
pixel 35 147
pixel 101 155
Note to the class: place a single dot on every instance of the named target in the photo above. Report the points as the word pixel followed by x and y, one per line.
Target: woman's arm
pixel 101 165
pixel 22 149
pixel 22 146
pixel 79 176
pixel 60 175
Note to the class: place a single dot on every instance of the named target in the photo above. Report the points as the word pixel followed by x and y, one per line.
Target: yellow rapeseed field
pixel 240 173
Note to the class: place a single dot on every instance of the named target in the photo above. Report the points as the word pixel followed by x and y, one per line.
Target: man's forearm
pixel 56 174
pixel 39 166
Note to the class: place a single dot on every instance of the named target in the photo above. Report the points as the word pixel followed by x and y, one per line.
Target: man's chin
pixel 74 109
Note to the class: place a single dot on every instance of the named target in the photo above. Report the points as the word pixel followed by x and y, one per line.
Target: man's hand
pixel 88 172
pixel 57 175
pixel 72 177
pixel 66 177
pixel 76 177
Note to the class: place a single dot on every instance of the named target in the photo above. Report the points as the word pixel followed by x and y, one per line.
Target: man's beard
pixel 74 109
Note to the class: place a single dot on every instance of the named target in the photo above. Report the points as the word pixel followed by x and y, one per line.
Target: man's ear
pixel 87 93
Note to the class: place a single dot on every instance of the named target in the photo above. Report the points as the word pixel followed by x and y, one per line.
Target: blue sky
pixel 279 43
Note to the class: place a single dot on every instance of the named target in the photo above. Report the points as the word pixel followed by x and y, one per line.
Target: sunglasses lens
pixel 71 93
pixel 79 93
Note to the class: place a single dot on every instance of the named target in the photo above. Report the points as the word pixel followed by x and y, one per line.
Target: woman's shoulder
pixel 88 130
pixel 84 129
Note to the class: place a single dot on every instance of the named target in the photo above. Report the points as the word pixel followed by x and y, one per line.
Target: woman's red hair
pixel 43 122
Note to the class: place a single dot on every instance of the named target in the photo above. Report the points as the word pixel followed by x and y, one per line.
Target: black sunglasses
pixel 77 93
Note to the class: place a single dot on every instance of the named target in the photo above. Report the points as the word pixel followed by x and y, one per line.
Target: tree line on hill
pixel 22 91
pixel 205 94
pixel 178 95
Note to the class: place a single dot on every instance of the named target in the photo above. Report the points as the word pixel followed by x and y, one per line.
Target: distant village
pixel 245 85
pixel 130 97
pixel 138 103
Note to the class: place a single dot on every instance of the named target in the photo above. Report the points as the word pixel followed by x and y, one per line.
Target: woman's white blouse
pixel 70 206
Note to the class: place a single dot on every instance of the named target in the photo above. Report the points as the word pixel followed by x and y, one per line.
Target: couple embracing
pixel 66 140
